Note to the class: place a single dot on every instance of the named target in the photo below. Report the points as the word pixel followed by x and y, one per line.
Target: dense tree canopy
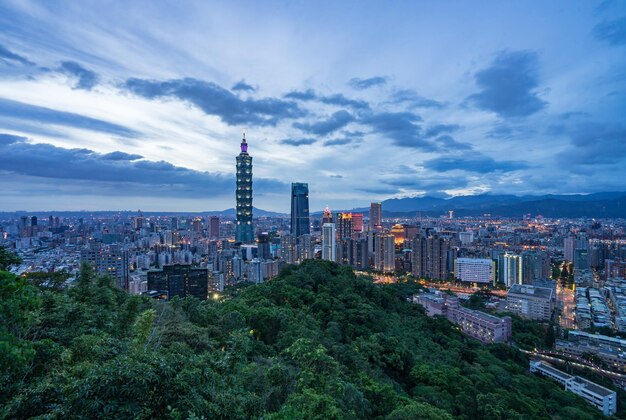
pixel 316 342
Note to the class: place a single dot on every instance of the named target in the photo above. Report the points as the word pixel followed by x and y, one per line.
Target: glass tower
pixel 244 231
pixel 300 209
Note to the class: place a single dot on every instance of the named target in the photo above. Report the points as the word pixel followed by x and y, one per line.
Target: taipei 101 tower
pixel 244 231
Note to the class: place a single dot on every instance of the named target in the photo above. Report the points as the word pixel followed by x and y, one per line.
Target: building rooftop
pixel 522 289
pixel 562 375
pixel 593 387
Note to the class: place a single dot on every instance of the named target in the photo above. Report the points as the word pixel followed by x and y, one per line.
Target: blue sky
pixel 111 105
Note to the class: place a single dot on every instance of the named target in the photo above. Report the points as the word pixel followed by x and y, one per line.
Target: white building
pixel 328 242
pixel 530 302
pixel 510 269
pixel 466 238
pixel 600 397
pixel 475 270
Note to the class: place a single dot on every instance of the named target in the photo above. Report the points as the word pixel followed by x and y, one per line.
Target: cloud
pixel 418 183
pixel 508 85
pixel 121 156
pixel 215 100
pixel 349 137
pixel 449 144
pixel 594 144
pixel 340 100
pixel 86 79
pixel 243 86
pixel 411 99
pixel 336 176
pixel 402 128
pixel 298 142
pixel 306 95
pixel 438 129
pixel 612 32
pixel 7 55
pixel 20 110
pixel 361 84
pixel 336 121
pixel 10 138
pixel 475 163
pixel 115 171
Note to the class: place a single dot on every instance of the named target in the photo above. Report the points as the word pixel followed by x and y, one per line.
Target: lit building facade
pixel 475 270
pixel 244 231
pixel 328 241
pixel 376 215
pixel 300 224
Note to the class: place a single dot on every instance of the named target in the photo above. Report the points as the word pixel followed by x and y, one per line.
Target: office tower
pixel 197 224
pixel 430 257
pixel 174 223
pixel 288 248
pixel 397 231
pixel 535 265
pixel 530 301
pixel 360 254
pixel 244 231
pixel 376 215
pixel 328 241
pixel 344 225
pixel 300 209
pixel 305 248
pixel 581 259
pixel 180 280
pixel 357 222
pixel 50 222
pixel 327 217
pixel 510 269
pixel 214 227
pixel 569 244
pixel 33 221
pixel 384 252
pixel 343 253
pixel 263 244
pixel 138 221
pixel 475 270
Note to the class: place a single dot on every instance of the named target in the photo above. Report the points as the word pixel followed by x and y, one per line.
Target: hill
pixel 315 342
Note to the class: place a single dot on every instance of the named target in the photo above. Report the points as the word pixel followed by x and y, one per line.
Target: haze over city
pixel 361 101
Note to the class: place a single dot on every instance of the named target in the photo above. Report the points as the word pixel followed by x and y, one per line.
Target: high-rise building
pixel 510 269
pixel 376 215
pixel 357 222
pixel 328 241
pixel 244 231
pixel 263 252
pixel 530 301
pixel 430 257
pixel 344 225
pixel 300 209
pixel 110 261
pixel 384 252
pixel 180 280
pixel 535 265
pixel 214 227
pixel 327 217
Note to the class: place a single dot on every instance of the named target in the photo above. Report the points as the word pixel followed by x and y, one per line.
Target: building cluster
pixel 610 351
pixel 480 325
pixel 600 397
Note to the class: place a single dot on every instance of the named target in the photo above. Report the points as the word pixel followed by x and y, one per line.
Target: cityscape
pixel 319 276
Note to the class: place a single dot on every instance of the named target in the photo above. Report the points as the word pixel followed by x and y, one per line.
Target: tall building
pixel 535 265
pixel 180 280
pixel 510 269
pixel 384 252
pixel 263 245
pixel 214 227
pixel 357 222
pixel 327 217
pixel 108 261
pixel 376 215
pixel 328 241
pixel 430 257
pixel 244 231
pixel 530 302
pixel 300 209
pixel 344 225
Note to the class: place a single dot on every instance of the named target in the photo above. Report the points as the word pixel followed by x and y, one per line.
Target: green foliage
pixel 316 342
pixel 7 258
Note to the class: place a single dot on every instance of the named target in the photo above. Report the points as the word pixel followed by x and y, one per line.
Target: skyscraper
pixel 510 269
pixel 327 217
pixel 300 209
pixel 244 232
pixel 376 215
pixel 328 241
pixel 344 225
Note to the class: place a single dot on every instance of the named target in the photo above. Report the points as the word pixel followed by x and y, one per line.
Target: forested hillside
pixel 316 342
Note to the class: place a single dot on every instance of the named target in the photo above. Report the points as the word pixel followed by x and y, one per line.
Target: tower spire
pixel 244 145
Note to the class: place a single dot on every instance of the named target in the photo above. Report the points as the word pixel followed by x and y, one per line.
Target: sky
pixel 109 105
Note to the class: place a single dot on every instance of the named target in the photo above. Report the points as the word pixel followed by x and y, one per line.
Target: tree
pixel 7 259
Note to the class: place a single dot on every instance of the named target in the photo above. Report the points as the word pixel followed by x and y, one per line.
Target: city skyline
pixel 423 99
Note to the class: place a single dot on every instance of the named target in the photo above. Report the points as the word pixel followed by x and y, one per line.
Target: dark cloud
pixel 49 162
pixel 86 79
pixel 298 142
pixel 438 129
pixel 340 100
pixel 402 128
pixel 10 138
pixel 449 144
pixel 612 32
pixel 7 55
pixel 306 95
pixel 19 110
pixel 379 190
pixel 243 86
pixel 336 176
pixel 215 100
pixel 411 99
pixel 594 144
pixel 508 86
pixel 121 156
pixel 348 137
pixel 336 121
pixel 413 183
pixel 475 163
pixel 361 84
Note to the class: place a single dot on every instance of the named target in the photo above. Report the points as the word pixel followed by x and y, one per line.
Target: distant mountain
pixel 599 205
pixel 129 213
